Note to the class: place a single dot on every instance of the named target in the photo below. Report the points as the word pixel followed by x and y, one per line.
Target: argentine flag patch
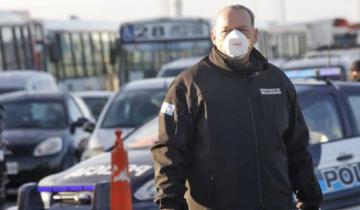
pixel 167 109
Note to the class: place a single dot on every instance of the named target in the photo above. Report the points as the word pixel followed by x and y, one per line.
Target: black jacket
pixel 2 112
pixel 236 134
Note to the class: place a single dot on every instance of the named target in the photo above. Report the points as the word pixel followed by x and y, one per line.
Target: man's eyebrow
pixel 238 27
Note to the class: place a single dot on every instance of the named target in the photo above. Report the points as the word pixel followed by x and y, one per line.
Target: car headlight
pixel 50 146
pixel 93 148
pixel 146 191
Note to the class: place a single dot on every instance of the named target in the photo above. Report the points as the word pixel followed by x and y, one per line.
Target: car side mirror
pixel 78 123
pixel 89 127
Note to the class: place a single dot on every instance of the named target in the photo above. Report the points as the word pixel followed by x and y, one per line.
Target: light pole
pixel 165 7
pixel 282 11
pixel 178 8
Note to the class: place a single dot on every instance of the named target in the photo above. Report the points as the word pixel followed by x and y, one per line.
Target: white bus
pixel 79 53
pixel 17 42
pixel 146 45
pixel 294 40
pixel 76 52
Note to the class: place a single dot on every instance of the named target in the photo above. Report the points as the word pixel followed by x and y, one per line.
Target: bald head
pixel 227 10
pixel 235 17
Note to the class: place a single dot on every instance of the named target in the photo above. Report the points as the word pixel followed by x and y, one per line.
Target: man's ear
pixel 213 37
pixel 256 34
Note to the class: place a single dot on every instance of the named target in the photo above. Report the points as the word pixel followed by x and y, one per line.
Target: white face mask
pixel 236 44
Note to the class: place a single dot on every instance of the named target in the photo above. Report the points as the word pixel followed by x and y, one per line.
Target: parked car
pixel 43 134
pixel 173 68
pixel 336 68
pixel 330 110
pixel 95 100
pixel 136 103
pixel 27 80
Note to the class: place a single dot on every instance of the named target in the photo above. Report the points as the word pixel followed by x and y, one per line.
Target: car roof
pixel 94 93
pixel 342 61
pixel 351 52
pixel 17 78
pixel 22 73
pixel 153 83
pixel 182 63
pixel 23 95
pixel 303 86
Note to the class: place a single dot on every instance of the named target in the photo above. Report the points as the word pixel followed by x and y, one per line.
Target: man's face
pixel 231 19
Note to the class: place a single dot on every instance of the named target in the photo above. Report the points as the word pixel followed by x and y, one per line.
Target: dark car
pixel 330 110
pixel 42 131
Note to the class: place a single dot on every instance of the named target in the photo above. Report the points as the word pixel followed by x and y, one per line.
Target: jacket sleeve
pixel 170 152
pixel 2 113
pixel 301 171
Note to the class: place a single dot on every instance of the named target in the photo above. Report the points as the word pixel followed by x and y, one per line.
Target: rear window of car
pixel 95 104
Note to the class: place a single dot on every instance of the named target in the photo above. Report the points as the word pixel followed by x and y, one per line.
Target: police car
pixel 329 108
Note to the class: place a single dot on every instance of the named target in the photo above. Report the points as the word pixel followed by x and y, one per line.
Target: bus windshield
pixel 147 45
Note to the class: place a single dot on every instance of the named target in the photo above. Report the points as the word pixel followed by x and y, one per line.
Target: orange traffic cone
pixel 120 191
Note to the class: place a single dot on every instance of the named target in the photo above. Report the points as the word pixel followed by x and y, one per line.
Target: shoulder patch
pixel 167 109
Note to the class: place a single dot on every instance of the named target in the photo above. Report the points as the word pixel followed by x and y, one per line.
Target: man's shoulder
pixel 276 72
pixel 193 72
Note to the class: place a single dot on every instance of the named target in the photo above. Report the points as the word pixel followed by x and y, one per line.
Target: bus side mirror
pixel 54 54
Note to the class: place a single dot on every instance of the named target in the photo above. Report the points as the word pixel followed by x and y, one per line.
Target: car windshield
pixel 144 137
pixel 95 104
pixel 133 108
pixel 34 114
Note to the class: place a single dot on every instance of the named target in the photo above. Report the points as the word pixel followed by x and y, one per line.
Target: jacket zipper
pixel 260 188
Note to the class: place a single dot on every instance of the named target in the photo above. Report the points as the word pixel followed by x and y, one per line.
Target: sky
pixel 128 10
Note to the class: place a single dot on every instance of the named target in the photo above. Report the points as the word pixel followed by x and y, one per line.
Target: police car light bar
pixel 313 72
pixel 72 188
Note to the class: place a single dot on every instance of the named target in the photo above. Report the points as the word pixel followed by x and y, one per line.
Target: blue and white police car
pixel 331 113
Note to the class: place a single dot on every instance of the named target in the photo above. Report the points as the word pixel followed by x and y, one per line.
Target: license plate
pixel 12 168
pixel 1 155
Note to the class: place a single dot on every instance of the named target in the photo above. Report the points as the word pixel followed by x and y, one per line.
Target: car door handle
pixel 345 157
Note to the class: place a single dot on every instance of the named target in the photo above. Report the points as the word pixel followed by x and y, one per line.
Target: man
pixel 355 70
pixel 231 128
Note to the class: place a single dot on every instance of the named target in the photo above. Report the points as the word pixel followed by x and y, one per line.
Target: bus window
pixel 69 69
pixel 9 48
pixel 113 45
pixel 26 44
pixel 89 57
pixel 97 52
pixel 105 37
pixel 77 50
pixel 20 51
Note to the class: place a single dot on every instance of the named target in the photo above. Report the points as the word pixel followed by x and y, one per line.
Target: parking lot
pixel 231 106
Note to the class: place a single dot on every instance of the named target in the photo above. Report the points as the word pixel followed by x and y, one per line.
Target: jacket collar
pixel 257 62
